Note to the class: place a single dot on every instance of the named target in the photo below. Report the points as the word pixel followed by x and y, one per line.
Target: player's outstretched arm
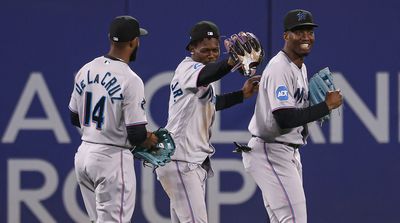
pixel 294 117
pixel 138 135
pixel 213 72
pixel 250 87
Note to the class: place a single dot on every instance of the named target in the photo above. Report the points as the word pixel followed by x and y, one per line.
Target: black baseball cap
pixel 125 28
pixel 298 18
pixel 203 29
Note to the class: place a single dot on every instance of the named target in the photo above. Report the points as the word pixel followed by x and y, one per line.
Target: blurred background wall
pixel 351 165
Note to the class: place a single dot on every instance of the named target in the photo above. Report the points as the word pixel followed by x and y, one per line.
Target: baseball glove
pixel 241 148
pixel 160 155
pixel 319 84
pixel 246 51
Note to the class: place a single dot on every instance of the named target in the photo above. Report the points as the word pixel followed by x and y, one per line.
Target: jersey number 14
pixel 97 115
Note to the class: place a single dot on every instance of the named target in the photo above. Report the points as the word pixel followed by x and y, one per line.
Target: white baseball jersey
pixel 282 85
pixel 191 113
pixel 108 96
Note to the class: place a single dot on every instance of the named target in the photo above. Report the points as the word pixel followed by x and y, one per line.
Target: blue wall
pixel 351 165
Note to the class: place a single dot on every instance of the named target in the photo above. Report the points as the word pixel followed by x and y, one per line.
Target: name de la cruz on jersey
pixel 109 83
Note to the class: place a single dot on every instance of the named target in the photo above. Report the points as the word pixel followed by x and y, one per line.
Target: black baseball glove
pixel 241 148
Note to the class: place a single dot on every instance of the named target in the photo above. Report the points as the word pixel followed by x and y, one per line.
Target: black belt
pixel 106 144
pixel 295 146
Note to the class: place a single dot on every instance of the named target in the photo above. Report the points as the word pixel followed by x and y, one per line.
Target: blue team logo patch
pixel 196 66
pixel 281 93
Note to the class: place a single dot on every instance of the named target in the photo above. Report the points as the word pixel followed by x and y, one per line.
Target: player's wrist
pixel 329 106
pixel 245 94
pixel 231 62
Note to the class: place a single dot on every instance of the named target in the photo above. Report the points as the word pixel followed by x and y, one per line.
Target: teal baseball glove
pixel 160 155
pixel 319 84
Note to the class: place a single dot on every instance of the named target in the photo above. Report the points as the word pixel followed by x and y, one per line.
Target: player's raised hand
pixel 250 87
pixel 245 51
pixel 150 141
pixel 333 99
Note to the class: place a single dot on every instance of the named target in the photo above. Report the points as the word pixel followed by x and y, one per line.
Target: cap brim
pixel 195 40
pixel 143 32
pixel 303 25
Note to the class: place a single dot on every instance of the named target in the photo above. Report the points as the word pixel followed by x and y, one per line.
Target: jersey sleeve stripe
pixel 136 123
pixel 283 107
pixel 72 110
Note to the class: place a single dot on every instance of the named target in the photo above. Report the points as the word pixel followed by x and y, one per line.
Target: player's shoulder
pixel 133 78
pixel 120 69
pixel 280 60
pixel 277 65
pixel 188 64
pixel 133 75
pixel 85 67
pixel 92 63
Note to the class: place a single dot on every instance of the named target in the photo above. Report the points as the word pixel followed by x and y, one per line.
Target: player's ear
pixel 137 41
pixel 134 43
pixel 191 49
pixel 286 35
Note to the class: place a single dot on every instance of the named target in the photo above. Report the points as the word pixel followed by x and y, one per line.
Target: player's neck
pixel 114 58
pixel 118 55
pixel 295 58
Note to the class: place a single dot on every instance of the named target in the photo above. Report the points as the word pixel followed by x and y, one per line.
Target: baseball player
pixel 107 103
pixel 192 106
pixel 279 123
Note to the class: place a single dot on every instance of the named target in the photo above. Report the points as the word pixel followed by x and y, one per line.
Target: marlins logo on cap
pixel 301 16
